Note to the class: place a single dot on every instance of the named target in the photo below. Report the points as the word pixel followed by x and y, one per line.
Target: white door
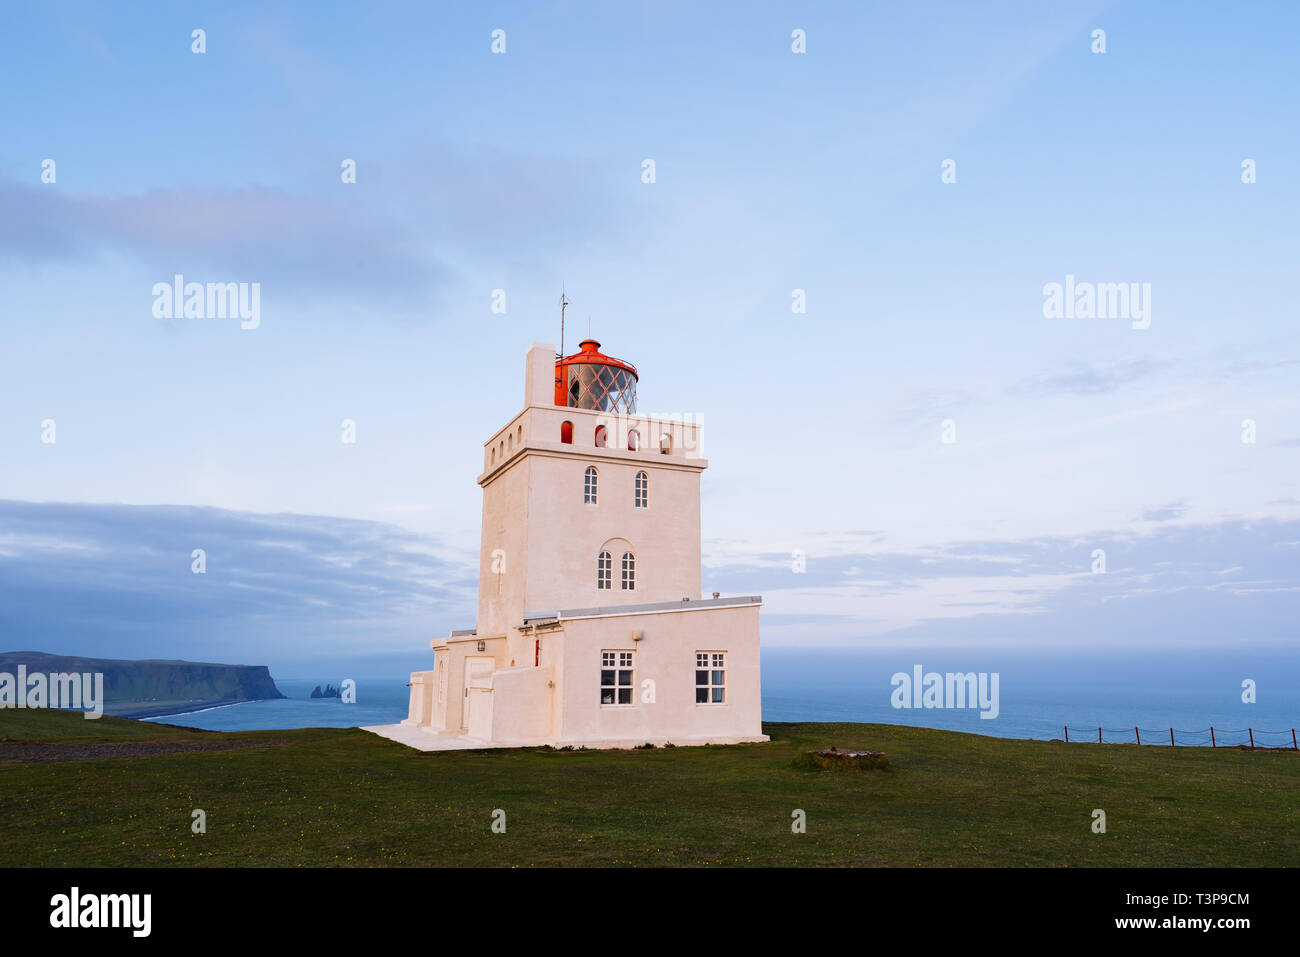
pixel 478 698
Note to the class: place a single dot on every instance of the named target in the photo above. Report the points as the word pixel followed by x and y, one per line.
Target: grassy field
pixel 114 792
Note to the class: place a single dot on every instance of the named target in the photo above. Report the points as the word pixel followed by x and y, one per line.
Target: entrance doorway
pixel 478 698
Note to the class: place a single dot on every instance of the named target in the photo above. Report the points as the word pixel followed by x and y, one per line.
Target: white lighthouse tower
pixel 591 628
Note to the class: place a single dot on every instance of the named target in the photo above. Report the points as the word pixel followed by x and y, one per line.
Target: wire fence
pixel 1211 737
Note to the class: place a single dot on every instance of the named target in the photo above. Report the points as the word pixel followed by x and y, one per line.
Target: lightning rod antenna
pixel 564 302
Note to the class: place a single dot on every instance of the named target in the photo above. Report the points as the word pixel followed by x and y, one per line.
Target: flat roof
pixel 654 607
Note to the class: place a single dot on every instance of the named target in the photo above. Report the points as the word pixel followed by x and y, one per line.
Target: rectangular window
pixel 616 677
pixel 710 677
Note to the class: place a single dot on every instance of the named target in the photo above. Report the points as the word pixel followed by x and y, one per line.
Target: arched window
pixel 493 457
pixel 604 571
pixel 665 443
pixel 566 432
pixel 642 490
pixel 519 434
pixel 629 571
pixel 633 440
pixel 600 436
pixel 589 486
pixel 510 442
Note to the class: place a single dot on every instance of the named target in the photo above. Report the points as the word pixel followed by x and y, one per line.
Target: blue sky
pixel 774 172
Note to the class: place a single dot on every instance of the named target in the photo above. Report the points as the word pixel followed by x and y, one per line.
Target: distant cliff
pixel 145 688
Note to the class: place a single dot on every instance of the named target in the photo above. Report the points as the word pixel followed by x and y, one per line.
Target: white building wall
pixel 665 655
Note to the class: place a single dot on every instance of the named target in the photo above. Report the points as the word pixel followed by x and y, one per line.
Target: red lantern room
pixel 591 380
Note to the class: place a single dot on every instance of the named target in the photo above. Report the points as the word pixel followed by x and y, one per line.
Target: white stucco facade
pixel 591 628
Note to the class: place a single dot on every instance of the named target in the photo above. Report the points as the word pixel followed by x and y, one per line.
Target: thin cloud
pixel 1164 513
pixel 249 235
pixel 1165 574
pixel 392 237
pixel 102 573
pixel 1089 380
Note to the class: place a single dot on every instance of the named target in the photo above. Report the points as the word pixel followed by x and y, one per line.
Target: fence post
pixel 1294 746
pixel 1251 732
pixel 1171 737
pixel 1099 735
pixel 1137 733
pixel 1212 744
pixel 1067 734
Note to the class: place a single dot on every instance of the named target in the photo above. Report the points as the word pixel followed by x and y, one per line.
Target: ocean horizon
pixel 1038 696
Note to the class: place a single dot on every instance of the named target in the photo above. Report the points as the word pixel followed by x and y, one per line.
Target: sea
pixel 379 701
pixel 1126 696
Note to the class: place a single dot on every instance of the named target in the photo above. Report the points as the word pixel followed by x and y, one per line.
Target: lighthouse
pixel 591 627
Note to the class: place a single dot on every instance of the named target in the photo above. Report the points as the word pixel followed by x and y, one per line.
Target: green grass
pixel 32 725
pixel 346 797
